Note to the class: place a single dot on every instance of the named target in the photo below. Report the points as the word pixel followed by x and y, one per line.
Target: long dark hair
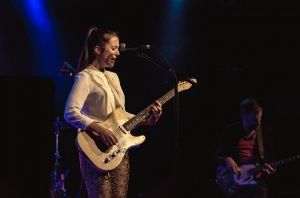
pixel 95 36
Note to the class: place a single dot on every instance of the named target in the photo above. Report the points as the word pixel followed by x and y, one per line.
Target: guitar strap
pixel 260 142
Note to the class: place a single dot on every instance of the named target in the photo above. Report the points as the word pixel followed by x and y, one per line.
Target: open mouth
pixel 113 59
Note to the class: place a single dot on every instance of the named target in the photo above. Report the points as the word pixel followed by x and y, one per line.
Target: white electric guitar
pixel 105 159
pixel 230 183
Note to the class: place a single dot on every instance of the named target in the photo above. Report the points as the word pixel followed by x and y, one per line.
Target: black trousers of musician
pixel 253 191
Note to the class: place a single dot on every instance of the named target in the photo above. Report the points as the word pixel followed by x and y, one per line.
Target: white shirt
pixel 93 97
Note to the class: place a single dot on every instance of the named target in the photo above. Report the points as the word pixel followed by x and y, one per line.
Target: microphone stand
pixel 176 96
pixel 57 189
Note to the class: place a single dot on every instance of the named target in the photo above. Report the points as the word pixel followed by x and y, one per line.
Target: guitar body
pixel 230 183
pixel 106 159
pixel 225 181
pixel 246 176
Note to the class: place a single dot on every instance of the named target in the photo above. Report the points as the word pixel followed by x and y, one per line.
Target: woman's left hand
pixel 155 113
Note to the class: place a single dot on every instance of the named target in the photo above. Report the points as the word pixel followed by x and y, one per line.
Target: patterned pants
pixel 105 185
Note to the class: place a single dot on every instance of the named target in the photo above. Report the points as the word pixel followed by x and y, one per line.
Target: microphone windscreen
pixel 122 47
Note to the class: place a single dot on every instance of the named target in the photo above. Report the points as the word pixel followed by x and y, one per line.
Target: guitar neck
pixel 275 164
pixel 138 118
pixel 282 162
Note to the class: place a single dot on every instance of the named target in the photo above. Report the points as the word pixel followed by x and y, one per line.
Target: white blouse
pixel 93 97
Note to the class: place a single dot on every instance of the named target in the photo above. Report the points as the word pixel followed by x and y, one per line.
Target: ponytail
pixel 85 56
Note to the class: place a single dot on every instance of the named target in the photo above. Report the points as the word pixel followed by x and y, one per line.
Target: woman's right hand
pixel 107 137
pixel 231 165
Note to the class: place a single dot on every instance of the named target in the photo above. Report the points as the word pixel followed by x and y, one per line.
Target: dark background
pixel 234 48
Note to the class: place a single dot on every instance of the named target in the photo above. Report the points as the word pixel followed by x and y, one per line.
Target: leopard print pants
pixel 113 184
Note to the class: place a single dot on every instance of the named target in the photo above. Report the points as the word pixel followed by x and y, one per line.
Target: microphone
pixel 67 69
pixel 123 48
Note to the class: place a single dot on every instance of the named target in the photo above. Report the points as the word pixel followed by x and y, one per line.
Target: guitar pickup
pixel 113 155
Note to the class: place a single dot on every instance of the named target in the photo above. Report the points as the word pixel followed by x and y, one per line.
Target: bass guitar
pixel 105 159
pixel 229 183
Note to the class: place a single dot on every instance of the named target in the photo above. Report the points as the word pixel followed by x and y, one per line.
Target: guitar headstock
pixel 185 85
pixel 67 70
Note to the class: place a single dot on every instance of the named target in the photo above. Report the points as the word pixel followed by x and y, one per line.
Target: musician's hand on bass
pixel 268 169
pixel 232 165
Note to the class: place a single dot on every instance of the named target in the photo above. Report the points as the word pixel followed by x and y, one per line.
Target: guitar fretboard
pixel 282 162
pixel 133 122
